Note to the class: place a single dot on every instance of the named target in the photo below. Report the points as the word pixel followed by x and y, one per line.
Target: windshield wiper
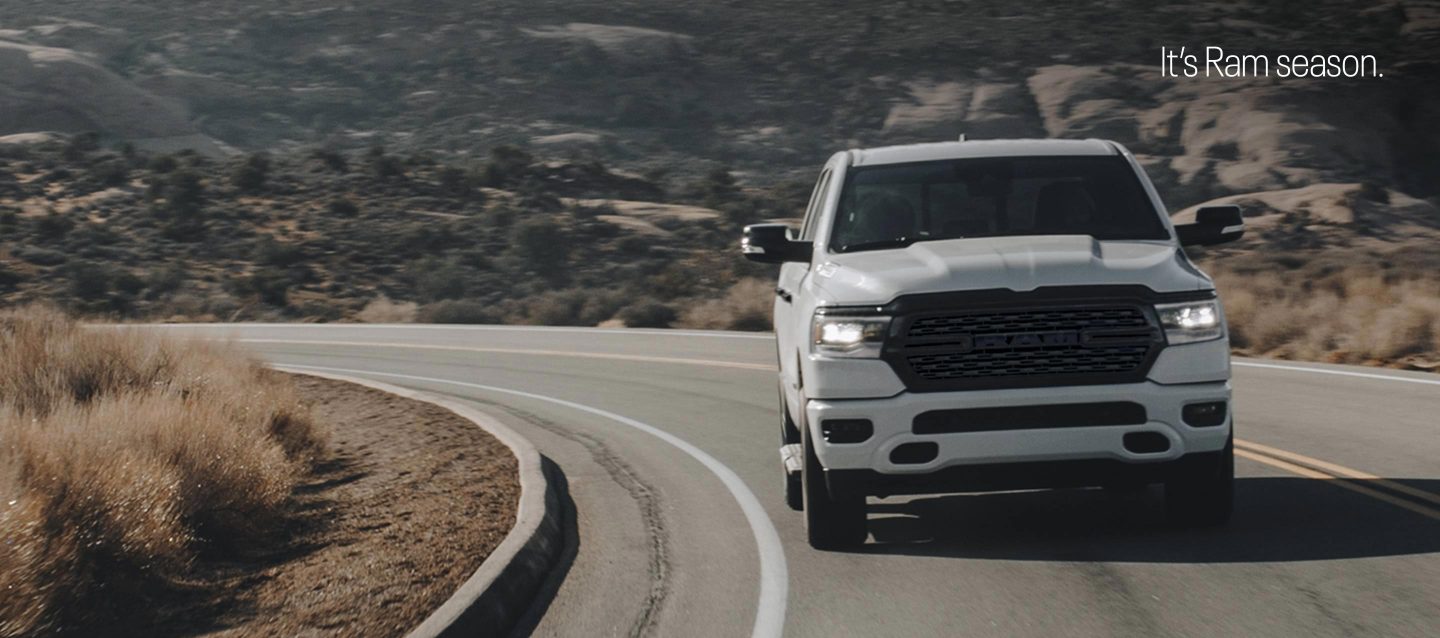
pixel 898 242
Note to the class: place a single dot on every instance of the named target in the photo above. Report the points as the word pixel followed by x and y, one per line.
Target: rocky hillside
pixel 656 129
pixel 754 84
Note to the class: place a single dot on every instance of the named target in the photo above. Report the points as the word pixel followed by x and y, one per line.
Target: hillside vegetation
pixel 370 235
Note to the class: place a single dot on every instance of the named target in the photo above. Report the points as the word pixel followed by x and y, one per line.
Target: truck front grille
pixel 1026 362
pixel 1018 347
pixel 1027 321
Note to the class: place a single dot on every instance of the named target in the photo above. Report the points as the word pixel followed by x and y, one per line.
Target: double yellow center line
pixel 1416 500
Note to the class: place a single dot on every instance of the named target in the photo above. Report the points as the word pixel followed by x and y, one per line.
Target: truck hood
pixel 1017 263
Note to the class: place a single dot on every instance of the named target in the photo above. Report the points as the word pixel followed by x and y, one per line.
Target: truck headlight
pixel 1191 321
pixel 854 337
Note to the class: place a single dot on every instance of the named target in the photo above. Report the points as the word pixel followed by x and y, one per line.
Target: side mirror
pixel 771 244
pixel 1213 225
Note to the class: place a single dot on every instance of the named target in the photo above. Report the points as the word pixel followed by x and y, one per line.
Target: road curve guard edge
pixel 494 599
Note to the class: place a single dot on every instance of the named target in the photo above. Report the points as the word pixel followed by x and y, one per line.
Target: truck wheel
pixel 1206 497
pixel 830 523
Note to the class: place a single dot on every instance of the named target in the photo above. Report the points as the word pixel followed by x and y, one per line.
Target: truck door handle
pixel 783 294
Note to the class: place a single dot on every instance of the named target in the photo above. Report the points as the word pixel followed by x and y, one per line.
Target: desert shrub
pixel 126 454
pixel 436 279
pixel 382 310
pixel 541 245
pixel 54 226
pixel 508 165
pixel 454 181
pixel 384 166
pixel 91 234
pixel 741 213
pixel 634 245
pixel 573 307
pixel 457 311
pixel 648 314
pixel 318 310
pixel 40 256
pixel 501 216
pixel 675 279
pixel 165 280
pixel 716 188
pixel 250 176
pixel 746 306
pixel 162 164
pixel 127 282
pixel 78 146
pixel 89 281
pixel 341 207
pixel 9 278
pixel 281 254
pixel 108 173
pixel 183 191
pixel 269 284
pixel 332 160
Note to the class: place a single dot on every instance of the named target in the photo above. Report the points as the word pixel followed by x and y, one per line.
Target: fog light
pixel 1204 415
pixel 846 430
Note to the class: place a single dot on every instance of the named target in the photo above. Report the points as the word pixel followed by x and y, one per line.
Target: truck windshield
pixel 896 205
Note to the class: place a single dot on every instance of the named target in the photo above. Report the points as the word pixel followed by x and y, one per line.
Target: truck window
pixel 895 205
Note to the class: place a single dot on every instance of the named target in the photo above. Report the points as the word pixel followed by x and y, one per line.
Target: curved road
pixel 667 441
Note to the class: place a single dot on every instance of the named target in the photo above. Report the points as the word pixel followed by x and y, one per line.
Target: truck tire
pixel 1206 496
pixel 830 522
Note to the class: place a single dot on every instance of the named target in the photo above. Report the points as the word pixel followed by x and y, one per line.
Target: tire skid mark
pixel 1325 608
pixel 1130 617
pixel 646 497
pixel 774 573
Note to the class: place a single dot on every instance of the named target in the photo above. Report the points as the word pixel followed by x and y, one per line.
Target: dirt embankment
pixel 152 485
pixel 412 499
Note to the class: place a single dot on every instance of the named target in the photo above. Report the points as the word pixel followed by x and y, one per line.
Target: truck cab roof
pixel 978 148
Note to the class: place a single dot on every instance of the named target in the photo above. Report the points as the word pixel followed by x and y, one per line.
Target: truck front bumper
pixel 1074 452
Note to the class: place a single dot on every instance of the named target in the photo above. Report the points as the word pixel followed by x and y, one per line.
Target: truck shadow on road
pixel 1276 519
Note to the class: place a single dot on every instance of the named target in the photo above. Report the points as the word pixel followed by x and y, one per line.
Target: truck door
pixel 791 330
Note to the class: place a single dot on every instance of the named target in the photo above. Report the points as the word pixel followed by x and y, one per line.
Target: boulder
pixel 53 89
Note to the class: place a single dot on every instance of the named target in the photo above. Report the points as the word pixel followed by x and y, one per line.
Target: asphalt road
pixel 668 444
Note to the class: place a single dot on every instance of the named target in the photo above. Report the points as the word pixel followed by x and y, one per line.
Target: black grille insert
pixel 947 328
pixel 1066 360
pixel 1005 339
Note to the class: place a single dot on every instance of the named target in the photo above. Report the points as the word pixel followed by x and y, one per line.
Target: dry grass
pixel 123 457
pixel 382 310
pixel 1355 312
pixel 746 306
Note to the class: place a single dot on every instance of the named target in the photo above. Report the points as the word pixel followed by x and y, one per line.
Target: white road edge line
pixel 774 576
pixel 714 334
pixel 648 332
pixel 1343 373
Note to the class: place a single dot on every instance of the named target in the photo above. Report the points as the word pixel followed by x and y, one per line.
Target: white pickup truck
pixel 996 315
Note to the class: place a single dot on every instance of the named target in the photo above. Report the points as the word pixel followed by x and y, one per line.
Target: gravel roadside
pixel 408 503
